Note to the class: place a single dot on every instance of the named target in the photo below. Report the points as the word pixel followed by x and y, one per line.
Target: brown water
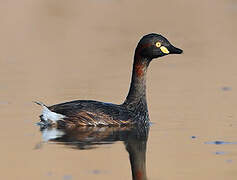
pixel 56 51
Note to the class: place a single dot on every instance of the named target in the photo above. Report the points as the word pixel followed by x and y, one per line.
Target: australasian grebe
pixel 134 109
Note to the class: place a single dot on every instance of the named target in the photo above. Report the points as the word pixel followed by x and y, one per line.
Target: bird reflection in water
pixel 134 138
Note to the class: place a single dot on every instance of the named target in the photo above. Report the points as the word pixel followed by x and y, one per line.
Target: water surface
pixel 56 51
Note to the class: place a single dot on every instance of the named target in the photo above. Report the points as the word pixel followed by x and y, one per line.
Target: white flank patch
pixel 50 134
pixel 49 115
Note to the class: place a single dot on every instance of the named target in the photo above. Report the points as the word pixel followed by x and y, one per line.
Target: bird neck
pixel 137 93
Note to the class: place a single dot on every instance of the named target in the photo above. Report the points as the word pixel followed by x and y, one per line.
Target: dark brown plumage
pixel 92 113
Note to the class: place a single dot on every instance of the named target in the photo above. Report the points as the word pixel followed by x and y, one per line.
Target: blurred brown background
pixel 55 51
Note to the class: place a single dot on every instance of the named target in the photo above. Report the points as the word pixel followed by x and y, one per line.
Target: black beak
pixel 174 50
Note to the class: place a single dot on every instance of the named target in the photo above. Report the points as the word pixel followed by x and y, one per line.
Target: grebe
pixel 133 110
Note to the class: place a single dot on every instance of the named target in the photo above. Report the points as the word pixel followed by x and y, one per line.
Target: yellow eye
pixel 158 44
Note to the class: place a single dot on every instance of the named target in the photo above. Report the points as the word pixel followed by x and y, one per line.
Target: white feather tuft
pixel 48 115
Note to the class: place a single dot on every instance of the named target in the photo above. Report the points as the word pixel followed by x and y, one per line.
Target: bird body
pixel 93 113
